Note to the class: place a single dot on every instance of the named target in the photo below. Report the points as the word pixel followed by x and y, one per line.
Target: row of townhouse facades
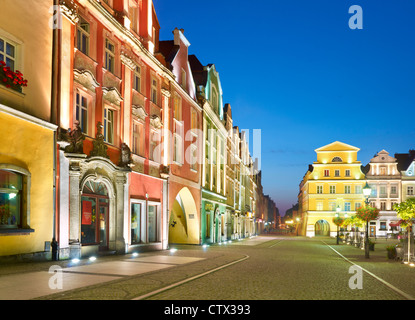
pixel 333 185
pixel 119 142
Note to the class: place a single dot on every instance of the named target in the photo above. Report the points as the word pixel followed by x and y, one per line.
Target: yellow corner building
pixel 332 185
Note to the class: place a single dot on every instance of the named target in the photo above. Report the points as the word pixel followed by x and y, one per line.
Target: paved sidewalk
pixel 60 278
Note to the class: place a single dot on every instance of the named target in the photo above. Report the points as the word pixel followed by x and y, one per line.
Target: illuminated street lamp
pixel 366 192
pixel 298 224
pixel 337 216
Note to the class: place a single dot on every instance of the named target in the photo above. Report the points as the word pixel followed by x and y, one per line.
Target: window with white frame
pixel 347 206
pixel 137 79
pixel 81 111
pixel 178 131
pixel 154 85
pixel 332 189
pixel 347 189
pixel 193 132
pixel 393 190
pixel 357 205
pixel 8 53
pixel 319 206
pixel 155 139
pixel 410 190
pixel 332 206
pixel 83 36
pixel 358 189
pixel 138 138
pixel 109 123
pixel 109 56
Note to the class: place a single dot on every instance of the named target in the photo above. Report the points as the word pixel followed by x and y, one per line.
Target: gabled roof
pixel 198 70
pixel 169 50
pixel 337 146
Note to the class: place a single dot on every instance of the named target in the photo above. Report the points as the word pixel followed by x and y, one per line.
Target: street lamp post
pixel 337 216
pixel 366 192
pixel 298 224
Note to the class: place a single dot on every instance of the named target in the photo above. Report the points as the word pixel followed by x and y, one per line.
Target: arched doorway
pixel 184 221
pixel 322 228
pixel 95 215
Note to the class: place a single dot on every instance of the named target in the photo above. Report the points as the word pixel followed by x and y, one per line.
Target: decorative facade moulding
pixel 86 78
pixel 155 121
pixel 70 10
pixel 129 62
pixel 166 93
pixel 112 95
pixel 139 112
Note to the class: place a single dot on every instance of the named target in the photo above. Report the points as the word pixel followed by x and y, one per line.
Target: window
pixel 393 190
pixel 358 189
pixel 81 111
pixel 320 189
pixel 133 18
pixel 152 223
pixel 383 206
pixel 382 225
pixel 327 173
pixel 137 79
pixel 214 100
pixel 347 206
pixel 382 171
pixel 382 190
pixel 154 143
pixel 11 195
pixel 410 190
pixel 82 36
pixel 109 125
pixel 109 56
pixel 319 206
pixel 193 146
pixel 332 206
pixel 8 54
pixel 337 159
pixel 357 205
pixel 135 223
pixel 177 108
pixel 347 189
pixel 154 91
pixel 337 173
pixel 347 173
pixel 332 189
pixel 183 75
pixel 138 138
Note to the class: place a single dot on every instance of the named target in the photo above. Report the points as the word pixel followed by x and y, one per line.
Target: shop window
pixel 152 223
pixel 11 194
pixel 136 223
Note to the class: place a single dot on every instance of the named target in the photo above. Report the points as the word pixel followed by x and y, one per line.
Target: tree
pixel 406 211
pixel 367 214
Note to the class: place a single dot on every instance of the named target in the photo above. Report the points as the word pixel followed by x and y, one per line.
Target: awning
pixel 395 223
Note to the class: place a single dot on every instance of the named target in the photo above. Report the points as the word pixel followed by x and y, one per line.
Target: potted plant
pixel 391 250
pixel 10 79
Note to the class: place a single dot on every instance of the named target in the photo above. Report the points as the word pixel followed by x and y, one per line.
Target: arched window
pixel 337 159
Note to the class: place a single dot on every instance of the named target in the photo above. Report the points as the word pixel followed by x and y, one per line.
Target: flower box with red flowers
pixel 10 79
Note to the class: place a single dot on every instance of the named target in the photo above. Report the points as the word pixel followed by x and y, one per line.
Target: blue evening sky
pixel 295 70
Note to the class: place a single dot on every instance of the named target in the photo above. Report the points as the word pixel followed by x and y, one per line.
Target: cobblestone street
pixel 261 268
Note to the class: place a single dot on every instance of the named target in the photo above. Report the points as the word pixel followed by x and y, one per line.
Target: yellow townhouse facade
pixel 332 185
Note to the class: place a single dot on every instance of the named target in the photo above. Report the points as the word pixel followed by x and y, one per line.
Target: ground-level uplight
pixel 92 258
